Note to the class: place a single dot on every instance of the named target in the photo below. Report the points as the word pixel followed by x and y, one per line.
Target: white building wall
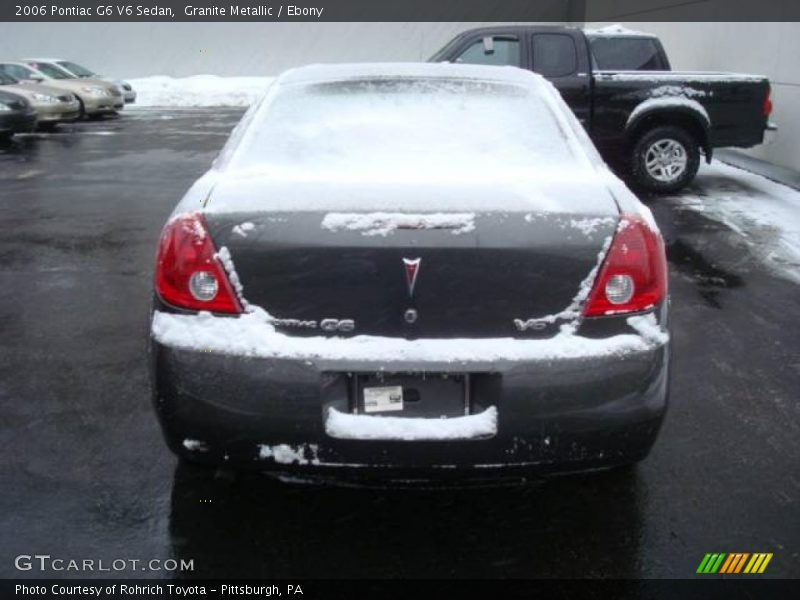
pixel 181 49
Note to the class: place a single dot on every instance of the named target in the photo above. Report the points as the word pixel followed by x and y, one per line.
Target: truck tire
pixel 665 159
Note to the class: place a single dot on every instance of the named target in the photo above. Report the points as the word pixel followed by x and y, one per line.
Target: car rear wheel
pixel 665 159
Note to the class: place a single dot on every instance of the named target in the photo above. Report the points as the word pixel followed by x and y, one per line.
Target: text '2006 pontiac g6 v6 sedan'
pixel 410 271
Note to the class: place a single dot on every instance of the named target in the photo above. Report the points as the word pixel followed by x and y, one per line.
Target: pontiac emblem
pixel 412 270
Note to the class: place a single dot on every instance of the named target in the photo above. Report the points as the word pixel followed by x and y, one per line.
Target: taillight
pixel 188 274
pixel 768 103
pixel 633 277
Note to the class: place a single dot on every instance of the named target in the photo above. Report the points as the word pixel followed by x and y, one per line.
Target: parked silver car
pixel 76 70
pixel 95 97
pixel 52 104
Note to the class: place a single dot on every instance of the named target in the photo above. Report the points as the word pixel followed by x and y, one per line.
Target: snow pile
pixel 199 90
pixel 385 223
pixel 766 214
pixel 252 335
pixel 364 427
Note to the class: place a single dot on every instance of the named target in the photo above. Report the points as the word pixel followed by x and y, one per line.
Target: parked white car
pixel 81 72
pixel 95 97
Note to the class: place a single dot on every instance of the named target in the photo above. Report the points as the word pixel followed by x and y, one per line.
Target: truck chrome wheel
pixel 666 160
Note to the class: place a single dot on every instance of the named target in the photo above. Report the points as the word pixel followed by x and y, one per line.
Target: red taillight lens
pixel 768 103
pixel 188 275
pixel 633 277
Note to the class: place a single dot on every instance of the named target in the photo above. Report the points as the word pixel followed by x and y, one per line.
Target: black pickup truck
pixel 647 121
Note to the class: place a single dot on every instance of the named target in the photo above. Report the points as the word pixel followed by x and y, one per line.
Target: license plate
pixel 380 399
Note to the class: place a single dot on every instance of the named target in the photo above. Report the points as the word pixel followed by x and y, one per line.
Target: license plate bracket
pixel 429 395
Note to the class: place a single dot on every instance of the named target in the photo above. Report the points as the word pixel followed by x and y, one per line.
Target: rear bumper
pixel 18 122
pixel 268 413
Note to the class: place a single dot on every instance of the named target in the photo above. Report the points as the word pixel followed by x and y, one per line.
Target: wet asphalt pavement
pixel 84 472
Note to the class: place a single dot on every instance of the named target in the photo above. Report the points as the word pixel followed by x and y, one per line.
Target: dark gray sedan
pixel 410 271
pixel 17 115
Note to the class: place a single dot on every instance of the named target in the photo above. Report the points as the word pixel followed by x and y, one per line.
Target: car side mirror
pixel 35 79
pixel 488 45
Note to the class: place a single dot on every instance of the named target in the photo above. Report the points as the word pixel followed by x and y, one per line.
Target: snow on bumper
pixel 252 335
pixel 345 426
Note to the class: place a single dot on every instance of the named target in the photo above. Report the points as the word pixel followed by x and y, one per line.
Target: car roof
pixel 44 59
pixel 349 71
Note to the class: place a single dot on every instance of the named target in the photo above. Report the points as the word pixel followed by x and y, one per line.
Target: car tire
pixel 665 159
pixel 81 109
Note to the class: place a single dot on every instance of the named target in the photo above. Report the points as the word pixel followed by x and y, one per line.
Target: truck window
pixel 554 54
pixel 505 52
pixel 626 54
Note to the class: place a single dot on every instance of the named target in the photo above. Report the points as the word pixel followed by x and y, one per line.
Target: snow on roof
pixel 616 30
pixel 345 71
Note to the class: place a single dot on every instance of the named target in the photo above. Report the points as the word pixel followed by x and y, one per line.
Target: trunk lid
pixel 465 272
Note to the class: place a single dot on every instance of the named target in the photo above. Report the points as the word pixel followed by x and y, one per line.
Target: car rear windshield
pixel 627 54
pixel 408 125
pixel 75 69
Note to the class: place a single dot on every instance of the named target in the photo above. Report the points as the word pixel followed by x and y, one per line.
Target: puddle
pixel 710 279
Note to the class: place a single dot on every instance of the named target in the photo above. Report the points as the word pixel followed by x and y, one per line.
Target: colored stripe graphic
pixel 727 564
pixel 734 563
pixel 711 563
pixel 765 563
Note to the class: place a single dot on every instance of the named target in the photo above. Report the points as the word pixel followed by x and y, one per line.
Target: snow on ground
pixel 199 90
pixel 764 213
